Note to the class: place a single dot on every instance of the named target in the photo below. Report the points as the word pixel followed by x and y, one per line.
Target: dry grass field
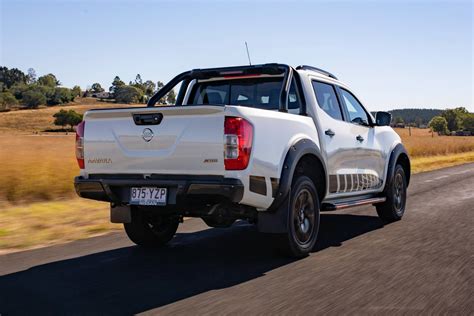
pixel 422 143
pixel 37 121
pixel 38 204
pixel 430 151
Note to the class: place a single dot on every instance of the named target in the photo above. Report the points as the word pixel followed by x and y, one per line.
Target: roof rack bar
pixel 324 72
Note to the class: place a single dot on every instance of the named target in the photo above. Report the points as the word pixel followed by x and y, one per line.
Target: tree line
pixel 452 121
pixel 26 89
pixel 414 117
pixel 138 91
pixel 18 88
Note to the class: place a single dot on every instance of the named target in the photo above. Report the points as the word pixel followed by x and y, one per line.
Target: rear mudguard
pixel 275 220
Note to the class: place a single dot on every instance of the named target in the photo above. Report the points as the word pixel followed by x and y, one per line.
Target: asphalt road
pixel 423 263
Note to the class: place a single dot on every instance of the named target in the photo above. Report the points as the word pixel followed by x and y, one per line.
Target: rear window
pixel 262 93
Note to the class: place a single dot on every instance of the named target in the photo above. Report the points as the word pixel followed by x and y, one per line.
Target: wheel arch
pixel 300 157
pixel 399 155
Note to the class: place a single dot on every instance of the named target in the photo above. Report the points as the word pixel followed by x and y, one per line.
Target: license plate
pixel 148 196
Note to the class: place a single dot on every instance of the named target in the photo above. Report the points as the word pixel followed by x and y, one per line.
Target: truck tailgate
pixel 188 140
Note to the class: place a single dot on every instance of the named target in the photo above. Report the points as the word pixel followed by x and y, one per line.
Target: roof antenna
pixel 248 54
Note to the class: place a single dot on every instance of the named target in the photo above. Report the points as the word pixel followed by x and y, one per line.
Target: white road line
pixel 441 177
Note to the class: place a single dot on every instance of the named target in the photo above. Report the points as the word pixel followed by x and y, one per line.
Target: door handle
pixel 329 132
pixel 360 138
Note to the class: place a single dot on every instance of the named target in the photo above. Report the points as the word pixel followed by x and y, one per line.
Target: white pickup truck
pixel 270 144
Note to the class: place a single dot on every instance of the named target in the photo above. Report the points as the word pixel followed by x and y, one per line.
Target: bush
pixel 63 118
pixel 33 99
pixel 7 100
pixel 128 94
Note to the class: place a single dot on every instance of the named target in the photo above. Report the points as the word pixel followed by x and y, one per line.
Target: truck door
pixel 339 145
pixel 370 156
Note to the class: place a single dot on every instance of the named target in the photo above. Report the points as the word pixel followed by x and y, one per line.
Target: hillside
pixel 417 116
pixel 40 120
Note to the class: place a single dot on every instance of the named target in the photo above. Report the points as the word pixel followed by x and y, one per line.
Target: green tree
pixel 47 91
pixel 171 97
pixel 418 121
pixel 454 117
pixel 96 88
pixel 7 100
pixel 9 77
pixel 31 77
pixel 60 96
pixel 439 125
pixel 149 87
pixel 63 118
pixel 138 79
pixel 159 85
pixel 33 99
pixel 18 89
pixel 398 120
pixel 128 94
pixel 49 80
pixel 76 91
pixel 117 83
pixel 468 122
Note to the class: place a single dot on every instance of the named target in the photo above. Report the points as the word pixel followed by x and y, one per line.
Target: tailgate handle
pixel 147 119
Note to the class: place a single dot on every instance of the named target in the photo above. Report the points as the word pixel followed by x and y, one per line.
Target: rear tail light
pixel 80 144
pixel 238 135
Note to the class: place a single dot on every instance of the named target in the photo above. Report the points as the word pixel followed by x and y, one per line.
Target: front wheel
pixel 303 218
pixel 394 206
pixel 149 229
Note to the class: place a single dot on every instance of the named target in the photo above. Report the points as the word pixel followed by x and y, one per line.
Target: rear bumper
pixel 181 189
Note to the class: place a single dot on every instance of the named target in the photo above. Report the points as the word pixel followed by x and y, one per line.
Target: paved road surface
pixel 422 263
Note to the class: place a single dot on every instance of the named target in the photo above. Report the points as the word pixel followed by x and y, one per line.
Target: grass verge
pixel 45 223
pixel 422 164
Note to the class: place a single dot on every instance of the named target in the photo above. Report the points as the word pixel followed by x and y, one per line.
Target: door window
pixel 327 99
pixel 355 110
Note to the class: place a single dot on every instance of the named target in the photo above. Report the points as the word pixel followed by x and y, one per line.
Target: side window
pixel 327 99
pixel 293 98
pixel 356 112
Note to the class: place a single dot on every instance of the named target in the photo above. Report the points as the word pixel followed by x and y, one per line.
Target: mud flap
pixel 120 214
pixel 275 222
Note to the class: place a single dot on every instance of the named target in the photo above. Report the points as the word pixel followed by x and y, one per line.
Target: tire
pixel 396 193
pixel 151 230
pixel 303 219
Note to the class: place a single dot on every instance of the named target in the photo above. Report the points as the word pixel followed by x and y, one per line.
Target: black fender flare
pixel 275 219
pixel 394 155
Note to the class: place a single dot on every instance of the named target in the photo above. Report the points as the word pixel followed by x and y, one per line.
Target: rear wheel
pixel 151 230
pixel 394 207
pixel 303 220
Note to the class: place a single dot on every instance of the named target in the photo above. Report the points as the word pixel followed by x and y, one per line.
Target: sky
pixel 392 54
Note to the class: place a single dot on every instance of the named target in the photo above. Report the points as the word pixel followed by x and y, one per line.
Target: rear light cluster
pixel 80 144
pixel 238 135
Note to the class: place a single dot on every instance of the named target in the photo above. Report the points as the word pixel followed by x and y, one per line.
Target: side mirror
pixel 383 118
